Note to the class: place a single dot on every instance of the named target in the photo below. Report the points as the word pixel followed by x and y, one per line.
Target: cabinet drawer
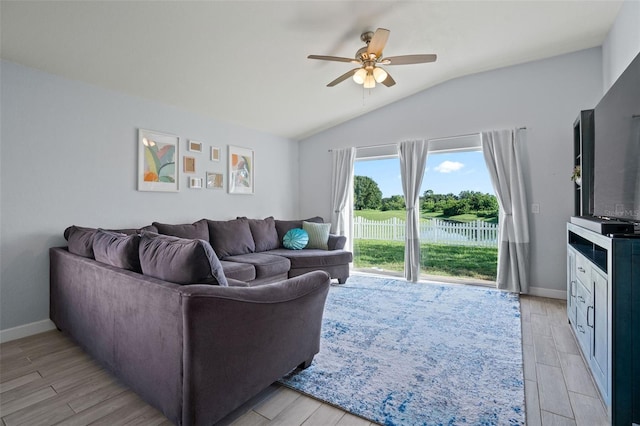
pixel 583 331
pixel 583 268
pixel 583 296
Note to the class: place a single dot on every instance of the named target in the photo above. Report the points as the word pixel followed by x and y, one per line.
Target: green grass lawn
pixel 437 259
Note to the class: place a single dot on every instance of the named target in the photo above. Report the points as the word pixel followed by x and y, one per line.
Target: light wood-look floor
pixel 45 380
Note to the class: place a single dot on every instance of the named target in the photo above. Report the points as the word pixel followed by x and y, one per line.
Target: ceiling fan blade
pixel 389 81
pixel 408 59
pixel 343 77
pixel 378 41
pixel 333 58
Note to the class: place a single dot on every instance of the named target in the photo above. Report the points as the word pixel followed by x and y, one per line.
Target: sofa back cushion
pixel 192 231
pixel 117 249
pixel 264 233
pixel 180 260
pixel 284 226
pixel 80 239
pixel 231 237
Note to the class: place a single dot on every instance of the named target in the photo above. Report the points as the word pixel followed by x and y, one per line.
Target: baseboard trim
pixel 547 292
pixel 26 330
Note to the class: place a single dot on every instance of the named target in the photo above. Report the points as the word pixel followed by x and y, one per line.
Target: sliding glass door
pixel 458 216
pixel 379 215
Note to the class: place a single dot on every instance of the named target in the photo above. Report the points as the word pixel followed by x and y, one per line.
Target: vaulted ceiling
pixel 246 61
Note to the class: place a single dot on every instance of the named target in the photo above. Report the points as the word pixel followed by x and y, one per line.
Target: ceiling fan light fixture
pixel 369 81
pixel 379 74
pixel 360 75
pixel 370 57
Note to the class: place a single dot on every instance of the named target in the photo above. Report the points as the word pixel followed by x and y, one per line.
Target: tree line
pixel 367 196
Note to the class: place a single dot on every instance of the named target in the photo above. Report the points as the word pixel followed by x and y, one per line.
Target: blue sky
pixel 446 173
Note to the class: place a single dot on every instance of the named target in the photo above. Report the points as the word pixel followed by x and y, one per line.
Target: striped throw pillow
pixel 318 235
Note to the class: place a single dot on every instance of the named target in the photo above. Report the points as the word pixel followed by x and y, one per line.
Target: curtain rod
pixel 432 139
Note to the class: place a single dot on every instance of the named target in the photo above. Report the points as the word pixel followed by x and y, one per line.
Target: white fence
pixel 476 233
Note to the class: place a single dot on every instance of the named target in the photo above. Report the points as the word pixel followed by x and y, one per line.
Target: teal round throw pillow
pixel 295 239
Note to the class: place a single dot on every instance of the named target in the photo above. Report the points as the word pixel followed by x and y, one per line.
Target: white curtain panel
pixel 341 190
pixel 501 153
pixel 413 160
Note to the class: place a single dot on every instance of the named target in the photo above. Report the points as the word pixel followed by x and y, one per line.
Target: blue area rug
pixel 399 353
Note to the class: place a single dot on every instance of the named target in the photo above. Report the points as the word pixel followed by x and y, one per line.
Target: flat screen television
pixel 616 179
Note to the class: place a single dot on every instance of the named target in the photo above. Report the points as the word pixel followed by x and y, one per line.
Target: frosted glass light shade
pixel 379 74
pixel 369 82
pixel 360 75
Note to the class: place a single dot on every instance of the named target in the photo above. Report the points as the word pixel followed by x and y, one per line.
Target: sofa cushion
pixel 264 233
pixel 238 271
pixel 230 237
pixel 266 265
pixel 80 240
pixel 180 260
pixel 149 228
pixel 314 258
pixel 117 249
pixel 283 226
pixel 192 231
pixel 295 239
pixel 318 235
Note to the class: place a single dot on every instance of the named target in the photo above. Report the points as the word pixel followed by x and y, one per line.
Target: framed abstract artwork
pixel 241 170
pixel 157 159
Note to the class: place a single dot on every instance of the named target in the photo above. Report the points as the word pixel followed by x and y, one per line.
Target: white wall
pixel 622 44
pixel 545 96
pixel 69 156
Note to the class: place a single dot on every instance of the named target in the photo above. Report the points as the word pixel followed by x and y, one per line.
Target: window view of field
pixel 458 231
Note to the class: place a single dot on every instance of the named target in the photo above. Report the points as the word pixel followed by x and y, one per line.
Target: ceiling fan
pixel 370 58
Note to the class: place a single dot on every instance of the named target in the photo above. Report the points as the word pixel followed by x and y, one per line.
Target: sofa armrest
pixel 239 340
pixel 336 242
pixel 236 283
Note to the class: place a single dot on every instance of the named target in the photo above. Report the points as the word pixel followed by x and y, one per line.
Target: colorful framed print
pixel 241 170
pixel 157 159
pixel 215 180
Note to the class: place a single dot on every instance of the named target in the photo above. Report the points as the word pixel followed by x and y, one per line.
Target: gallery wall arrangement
pixel 159 165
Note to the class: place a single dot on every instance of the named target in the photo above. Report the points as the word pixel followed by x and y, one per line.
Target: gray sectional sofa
pixel 251 250
pixel 142 303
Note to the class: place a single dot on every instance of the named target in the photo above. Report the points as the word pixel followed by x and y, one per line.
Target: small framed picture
pixel 215 180
pixel 189 164
pixel 215 153
pixel 195 183
pixel 195 146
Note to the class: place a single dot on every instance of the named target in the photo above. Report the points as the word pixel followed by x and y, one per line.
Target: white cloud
pixel 449 166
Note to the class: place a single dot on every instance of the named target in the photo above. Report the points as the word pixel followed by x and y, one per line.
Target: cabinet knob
pixel 580 328
pixel 581 299
pixel 581 269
